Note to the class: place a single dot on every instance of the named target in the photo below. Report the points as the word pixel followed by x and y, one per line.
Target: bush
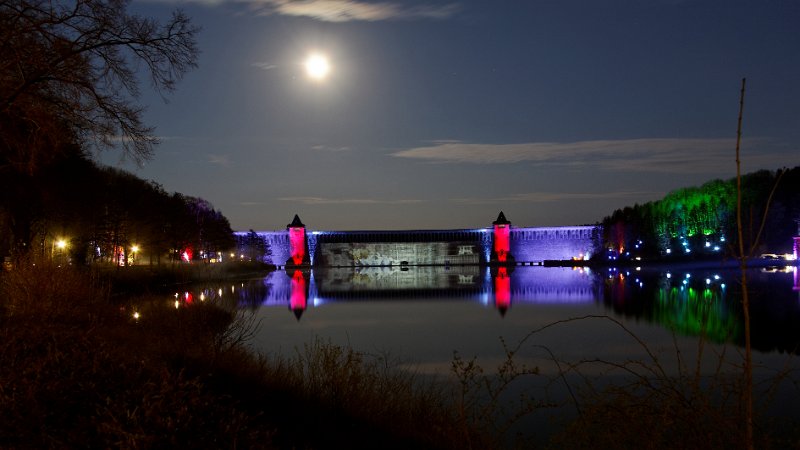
pixel 78 372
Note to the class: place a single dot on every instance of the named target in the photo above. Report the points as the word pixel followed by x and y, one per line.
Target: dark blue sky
pixel 441 114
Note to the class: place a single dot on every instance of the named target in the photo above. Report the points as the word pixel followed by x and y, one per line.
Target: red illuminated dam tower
pixel 501 241
pixel 298 247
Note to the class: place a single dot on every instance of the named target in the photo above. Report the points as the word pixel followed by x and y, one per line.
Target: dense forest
pixel 700 222
pixel 69 88
pixel 76 210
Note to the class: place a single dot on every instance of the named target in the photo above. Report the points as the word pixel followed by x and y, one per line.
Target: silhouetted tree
pixel 254 247
pixel 67 76
pixel 68 85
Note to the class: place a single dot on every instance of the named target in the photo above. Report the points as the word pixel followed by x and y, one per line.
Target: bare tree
pixel 68 75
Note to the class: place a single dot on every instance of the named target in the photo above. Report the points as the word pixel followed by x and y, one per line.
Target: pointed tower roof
pixel 296 223
pixel 501 220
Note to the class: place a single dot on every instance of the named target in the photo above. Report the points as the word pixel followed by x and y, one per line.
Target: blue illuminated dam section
pixel 432 247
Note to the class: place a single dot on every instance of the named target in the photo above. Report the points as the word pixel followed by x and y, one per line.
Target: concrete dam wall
pixel 425 247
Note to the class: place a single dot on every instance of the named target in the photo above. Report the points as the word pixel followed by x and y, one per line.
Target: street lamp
pixel 134 250
pixel 59 244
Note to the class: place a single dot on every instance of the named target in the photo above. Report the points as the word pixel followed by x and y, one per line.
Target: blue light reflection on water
pixel 424 314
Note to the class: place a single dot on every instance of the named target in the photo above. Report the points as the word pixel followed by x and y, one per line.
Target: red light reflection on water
pixel 297 301
pixel 502 290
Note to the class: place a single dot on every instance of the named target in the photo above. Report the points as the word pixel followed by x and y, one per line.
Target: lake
pixel 424 314
pixel 421 316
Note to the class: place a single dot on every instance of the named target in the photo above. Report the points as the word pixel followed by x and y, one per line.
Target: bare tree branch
pixel 77 62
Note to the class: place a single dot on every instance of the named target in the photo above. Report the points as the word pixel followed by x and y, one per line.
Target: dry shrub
pixel 396 405
pixel 49 291
pixel 639 403
pixel 76 372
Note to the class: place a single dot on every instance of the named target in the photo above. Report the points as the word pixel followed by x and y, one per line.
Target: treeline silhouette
pixel 697 222
pixel 69 85
pixel 99 213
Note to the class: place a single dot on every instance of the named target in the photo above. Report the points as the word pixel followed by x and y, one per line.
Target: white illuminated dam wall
pixel 433 247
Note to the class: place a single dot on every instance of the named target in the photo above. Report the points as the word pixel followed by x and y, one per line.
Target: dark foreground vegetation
pixel 79 370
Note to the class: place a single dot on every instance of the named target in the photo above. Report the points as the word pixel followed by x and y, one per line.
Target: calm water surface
pixel 423 315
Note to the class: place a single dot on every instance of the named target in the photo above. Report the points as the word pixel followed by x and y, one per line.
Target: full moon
pixel 317 67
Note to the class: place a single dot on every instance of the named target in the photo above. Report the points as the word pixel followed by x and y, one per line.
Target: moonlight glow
pixel 317 67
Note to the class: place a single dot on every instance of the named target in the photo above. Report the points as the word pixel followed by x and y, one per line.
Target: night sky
pixel 441 114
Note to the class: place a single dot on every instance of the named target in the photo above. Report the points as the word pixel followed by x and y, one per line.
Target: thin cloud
pixel 326 148
pixel 631 155
pixel 551 197
pixel 338 10
pixel 264 65
pixel 222 160
pixel 348 10
pixel 346 201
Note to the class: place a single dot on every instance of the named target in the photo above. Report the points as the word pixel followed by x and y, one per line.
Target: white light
pixel 317 67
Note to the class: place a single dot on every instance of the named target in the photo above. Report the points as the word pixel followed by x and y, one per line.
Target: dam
pixel 501 244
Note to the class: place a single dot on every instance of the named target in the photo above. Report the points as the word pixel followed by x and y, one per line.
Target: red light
pixel 501 242
pixel 297 244
pixel 186 255
pixel 297 301
pixel 502 289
